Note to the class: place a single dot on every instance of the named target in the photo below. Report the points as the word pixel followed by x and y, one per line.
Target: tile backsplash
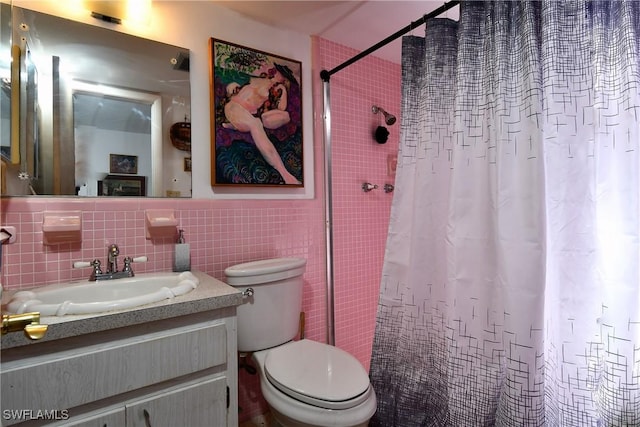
pixel 220 234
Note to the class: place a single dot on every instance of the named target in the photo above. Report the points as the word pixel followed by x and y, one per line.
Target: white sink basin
pixel 87 297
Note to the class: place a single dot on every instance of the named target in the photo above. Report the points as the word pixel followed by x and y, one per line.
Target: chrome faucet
pixel 112 266
pixel 112 259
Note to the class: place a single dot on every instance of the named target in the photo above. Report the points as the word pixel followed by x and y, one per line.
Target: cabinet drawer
pixel 201 404
pixel 70 377
pixel 112 418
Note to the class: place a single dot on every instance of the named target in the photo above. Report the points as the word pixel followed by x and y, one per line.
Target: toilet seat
pixel 318 374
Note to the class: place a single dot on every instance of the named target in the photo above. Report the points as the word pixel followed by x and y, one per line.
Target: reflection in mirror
pixel 5 118
pixel 112 122
pixel 5 83
pixel 28 131
pixel 100 93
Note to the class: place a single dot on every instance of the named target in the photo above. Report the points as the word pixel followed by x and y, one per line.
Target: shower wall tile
pixel 360 219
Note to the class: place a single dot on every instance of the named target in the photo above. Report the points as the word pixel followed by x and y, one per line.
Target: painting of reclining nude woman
pixel 256 127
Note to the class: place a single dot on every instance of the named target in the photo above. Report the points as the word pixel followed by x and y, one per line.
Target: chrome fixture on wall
pixel 389 119
pixel 381 133
pixel 367 186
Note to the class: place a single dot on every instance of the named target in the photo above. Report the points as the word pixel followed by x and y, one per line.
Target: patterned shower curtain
pixel 510 293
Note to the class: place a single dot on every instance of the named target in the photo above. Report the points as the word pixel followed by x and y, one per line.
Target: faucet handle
pixel 82 264
pixel 127 270
pixel 97 271
pixel 96 266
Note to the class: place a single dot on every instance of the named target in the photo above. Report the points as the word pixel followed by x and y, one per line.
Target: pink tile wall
pixel 220 234
pixel 360 219
pixel 223 233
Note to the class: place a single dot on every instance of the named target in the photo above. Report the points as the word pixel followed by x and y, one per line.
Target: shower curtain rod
pixel 326 75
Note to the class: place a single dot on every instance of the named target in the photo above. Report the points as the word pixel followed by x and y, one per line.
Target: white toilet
pixel 305 383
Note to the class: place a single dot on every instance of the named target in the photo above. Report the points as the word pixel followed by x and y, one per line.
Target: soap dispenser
pixel 181 255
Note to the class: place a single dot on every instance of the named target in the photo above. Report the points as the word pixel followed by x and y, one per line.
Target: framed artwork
pixel 123 185
pixel 256 123
pixel 123 163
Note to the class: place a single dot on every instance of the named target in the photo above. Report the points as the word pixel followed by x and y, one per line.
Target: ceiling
pixel 356 24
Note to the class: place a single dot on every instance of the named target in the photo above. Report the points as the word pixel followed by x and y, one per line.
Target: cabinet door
pixel 198 404
pixel 112 418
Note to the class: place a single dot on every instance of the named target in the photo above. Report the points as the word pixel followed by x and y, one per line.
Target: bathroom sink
pixel 87 297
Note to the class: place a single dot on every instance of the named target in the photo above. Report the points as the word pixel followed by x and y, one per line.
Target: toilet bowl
pixel 305 383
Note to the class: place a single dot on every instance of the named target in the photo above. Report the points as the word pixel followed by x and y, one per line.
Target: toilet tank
pixel 271 316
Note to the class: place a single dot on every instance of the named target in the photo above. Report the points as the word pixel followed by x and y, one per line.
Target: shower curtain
pixel 510 292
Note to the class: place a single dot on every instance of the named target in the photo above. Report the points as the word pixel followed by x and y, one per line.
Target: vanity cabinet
pixel 179 371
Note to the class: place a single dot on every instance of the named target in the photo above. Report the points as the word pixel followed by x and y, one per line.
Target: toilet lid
pixel 318 374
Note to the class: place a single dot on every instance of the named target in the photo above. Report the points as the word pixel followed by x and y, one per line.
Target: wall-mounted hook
pixel 366 187
pixel 388 188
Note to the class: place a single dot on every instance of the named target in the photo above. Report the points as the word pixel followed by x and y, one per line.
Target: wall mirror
pixel 95 102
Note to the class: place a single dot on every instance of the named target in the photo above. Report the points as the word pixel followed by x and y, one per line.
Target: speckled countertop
pixel 211 294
